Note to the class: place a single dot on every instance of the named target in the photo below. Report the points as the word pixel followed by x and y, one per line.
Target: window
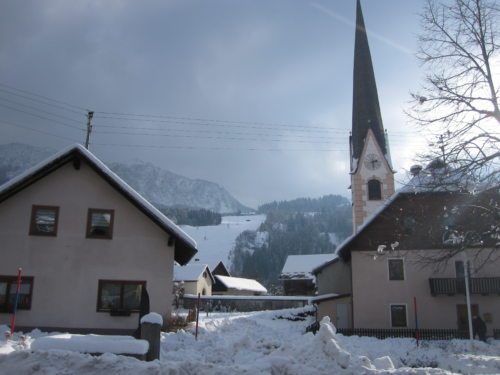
pixel 8 287
pixel 396 269
pixel 398 315
pixel 44 220
pixel 100 223
pixel 374 190
pixel 119 295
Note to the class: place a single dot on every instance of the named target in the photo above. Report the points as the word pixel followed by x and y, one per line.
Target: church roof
pixel 365 108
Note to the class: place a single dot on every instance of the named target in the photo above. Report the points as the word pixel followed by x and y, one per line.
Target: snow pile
pixel 262 343
pixel 152 318
pixel 92 344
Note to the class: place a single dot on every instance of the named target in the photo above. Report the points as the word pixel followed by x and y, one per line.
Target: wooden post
pixel 151 332
pixel 197 316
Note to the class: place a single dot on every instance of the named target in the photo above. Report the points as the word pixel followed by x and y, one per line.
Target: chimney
pixel 415 170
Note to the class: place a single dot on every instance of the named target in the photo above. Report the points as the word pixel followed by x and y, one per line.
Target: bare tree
pixel 458 102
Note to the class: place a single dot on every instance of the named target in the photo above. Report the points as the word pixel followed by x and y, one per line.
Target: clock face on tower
pixel 372 162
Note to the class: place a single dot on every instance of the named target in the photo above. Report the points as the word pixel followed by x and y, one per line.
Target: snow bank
pixel 260 344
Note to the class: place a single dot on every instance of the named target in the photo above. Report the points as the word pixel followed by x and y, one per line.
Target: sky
pixel 253 95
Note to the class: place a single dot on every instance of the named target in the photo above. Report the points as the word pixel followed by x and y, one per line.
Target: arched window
pixel 374 190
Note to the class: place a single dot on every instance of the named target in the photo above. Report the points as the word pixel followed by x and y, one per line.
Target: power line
pixel 39 101
pixel 211 137
pixel 210 131
pixel 204 131
pixel 214 148
pixel 42 117
pixel 36 130
pixel 232 124
pixel 41 96
pixel 40 110
pixel 217 123
pixel 197 119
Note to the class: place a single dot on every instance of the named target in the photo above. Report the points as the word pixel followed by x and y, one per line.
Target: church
pixel 379 279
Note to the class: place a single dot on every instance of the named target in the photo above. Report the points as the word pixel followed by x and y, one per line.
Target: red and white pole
pixel 18 289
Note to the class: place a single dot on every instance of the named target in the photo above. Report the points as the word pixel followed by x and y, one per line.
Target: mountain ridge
pixel 159 186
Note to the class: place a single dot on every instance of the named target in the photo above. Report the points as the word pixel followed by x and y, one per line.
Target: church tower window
pixel 374 190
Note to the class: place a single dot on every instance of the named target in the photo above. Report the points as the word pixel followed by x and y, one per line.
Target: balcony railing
pixel 477 285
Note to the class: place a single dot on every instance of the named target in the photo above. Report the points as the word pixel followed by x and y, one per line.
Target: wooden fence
pixel 423 334
pixel 496 333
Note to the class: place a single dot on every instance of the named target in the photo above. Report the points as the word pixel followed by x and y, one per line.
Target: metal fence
pixel 423 334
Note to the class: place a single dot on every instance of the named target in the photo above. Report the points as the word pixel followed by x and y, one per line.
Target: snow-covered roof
pixel 242 284
pixel 301 266
pixel 436 178
pixel 191 272
pixel 184 250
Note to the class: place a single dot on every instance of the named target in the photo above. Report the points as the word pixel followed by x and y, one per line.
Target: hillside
pixel 301 226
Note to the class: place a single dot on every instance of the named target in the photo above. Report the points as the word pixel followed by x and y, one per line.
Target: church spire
pixel 365 107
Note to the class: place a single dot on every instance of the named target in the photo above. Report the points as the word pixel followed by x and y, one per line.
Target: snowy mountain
pixel 159 186
pixel 17 157
pixel 167 189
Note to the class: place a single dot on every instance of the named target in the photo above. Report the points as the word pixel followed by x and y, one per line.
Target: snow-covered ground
pixel 258 343
pixel 216 241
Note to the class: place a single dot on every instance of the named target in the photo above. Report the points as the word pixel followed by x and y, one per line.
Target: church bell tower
pixel 372 176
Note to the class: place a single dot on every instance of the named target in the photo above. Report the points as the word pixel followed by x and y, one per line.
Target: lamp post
pixel 467 293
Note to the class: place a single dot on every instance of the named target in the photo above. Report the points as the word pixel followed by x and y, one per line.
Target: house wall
pixel 329 308
pixel 373 292
pixel 66 268
pixel 362 207
pixel 195 287
pixel 334 278
pixel 299 287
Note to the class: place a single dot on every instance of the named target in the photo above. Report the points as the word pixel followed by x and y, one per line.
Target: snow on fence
pixel 245 303
pixel 93 344
pixel 423 334
pixel 147 348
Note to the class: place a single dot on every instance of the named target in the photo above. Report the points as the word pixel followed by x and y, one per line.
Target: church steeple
pixel 372 177
pixel 365 105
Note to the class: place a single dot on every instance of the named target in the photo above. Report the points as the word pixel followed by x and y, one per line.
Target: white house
pixel 196 279
pixel 87 244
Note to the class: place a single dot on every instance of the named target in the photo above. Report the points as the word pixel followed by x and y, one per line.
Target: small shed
pixel 297 273
pixel 220 269
pixel 196 279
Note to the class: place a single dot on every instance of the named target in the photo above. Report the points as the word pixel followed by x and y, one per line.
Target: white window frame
pixel 406 313
pixel 389 269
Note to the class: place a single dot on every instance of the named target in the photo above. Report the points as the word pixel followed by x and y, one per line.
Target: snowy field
pixel 216 241
pixel 258 343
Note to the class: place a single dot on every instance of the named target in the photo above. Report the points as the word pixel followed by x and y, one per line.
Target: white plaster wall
pixel 329 308
pixel 373 293
pixel 363 208
pixel 66 268
pixel 195 287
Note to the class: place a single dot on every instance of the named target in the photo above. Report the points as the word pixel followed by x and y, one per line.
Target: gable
pixel 104 185
pixel 417 221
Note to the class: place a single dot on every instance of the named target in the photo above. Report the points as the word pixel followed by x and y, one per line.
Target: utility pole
pixel 90 114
